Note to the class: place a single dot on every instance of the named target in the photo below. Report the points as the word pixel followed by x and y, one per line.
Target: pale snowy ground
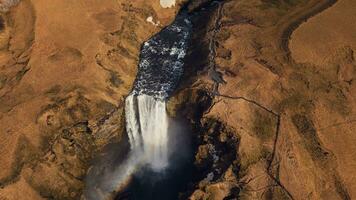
pixel 167 3
pixel 150 20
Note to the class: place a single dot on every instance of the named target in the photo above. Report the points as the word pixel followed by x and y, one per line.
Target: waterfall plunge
pixel 147 127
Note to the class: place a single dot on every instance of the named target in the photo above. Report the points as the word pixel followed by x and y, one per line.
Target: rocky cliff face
pixel 270 126
pixel 277 126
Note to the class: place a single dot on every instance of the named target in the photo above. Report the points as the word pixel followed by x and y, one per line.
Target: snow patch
pixel 150 20
pixel 167 3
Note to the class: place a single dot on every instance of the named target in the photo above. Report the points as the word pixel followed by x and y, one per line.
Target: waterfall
pixel 147 123
pixel 160 68
pixel 147 127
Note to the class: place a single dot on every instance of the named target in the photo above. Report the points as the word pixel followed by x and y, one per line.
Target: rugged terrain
pixel 65 68
pixel 279 125
pixel 289 104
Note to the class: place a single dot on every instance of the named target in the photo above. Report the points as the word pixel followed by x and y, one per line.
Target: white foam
pixel 147 126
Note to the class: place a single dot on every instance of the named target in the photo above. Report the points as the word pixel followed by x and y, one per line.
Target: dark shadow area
pixel 2 24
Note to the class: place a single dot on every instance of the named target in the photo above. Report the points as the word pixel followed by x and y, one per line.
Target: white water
pixel 147 127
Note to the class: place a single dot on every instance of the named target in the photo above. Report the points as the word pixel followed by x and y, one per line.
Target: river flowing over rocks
pixel 160 69
pixel 147 123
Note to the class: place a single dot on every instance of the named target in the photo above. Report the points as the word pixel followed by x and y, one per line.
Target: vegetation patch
pixel 250 159
pixel 276 193
pixel 282 5
pixel 264 125
pixel 310 138
pixel 115 80
pixel 24 153
pixel 54 90
pixel 2 81
pixel 341 189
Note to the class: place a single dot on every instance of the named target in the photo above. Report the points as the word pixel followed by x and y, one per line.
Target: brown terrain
pixel 279 126
pixel 65 66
